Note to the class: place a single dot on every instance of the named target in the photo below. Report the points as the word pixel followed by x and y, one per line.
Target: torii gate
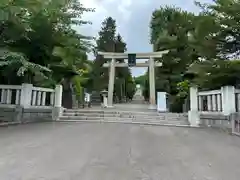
pixel 150 63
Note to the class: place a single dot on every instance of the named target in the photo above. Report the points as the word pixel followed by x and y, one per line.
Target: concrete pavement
pixel 92 151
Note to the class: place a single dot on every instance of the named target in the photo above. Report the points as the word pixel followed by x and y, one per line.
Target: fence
pixel 216 108
pixel 28 103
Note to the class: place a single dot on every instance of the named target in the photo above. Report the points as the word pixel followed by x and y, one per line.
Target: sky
pixel 132 18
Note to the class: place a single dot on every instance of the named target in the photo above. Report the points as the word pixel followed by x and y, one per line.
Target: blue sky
pixel 133 18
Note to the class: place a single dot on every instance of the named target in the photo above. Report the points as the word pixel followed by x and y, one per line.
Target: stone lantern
pixel 105 100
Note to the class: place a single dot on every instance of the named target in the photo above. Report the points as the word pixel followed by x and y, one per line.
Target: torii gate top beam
pixel 113 55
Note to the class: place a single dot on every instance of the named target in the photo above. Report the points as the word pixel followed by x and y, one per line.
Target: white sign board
pixel 161 101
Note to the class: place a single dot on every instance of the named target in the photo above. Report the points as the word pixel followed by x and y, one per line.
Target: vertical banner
pixel 131 60
pixel 161 101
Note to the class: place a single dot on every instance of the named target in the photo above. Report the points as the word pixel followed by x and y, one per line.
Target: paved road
pixel 81 151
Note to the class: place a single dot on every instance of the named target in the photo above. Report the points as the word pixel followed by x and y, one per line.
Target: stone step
pixel 112 111
pixel 148 113
pixel 141 116
pixel 126 116
pixel 66 116
pixel 126 120
pixel 112 114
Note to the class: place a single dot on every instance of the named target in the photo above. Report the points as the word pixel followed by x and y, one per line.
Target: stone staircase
pixel 96 98
pixel 120 116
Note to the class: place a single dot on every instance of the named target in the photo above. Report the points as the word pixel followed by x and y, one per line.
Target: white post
pixel 228 100
pixel 58 96
pixel 26 95
pixel 57 109
pixel 9 96
pixel 193 114
pixel 152 99
pixel 43 100
pixel 111 83
pixel 161 101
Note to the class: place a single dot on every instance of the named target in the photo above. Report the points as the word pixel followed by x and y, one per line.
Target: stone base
pixel 193 118
pixel 56 113
pixel 152 107
pixel 110 107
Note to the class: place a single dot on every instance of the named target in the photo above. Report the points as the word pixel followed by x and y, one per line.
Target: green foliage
pixel 200 45
pixel 225 17
pixel 140 80
pixel 218 41
pixel 21 64
pixel 106 43
pixel 41 42
pixel 171 29
pixel 110 41
pixel 183 88
pixel 218 73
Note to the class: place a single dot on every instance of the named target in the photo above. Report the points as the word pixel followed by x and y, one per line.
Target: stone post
pixel 25 102
pixel 111 83
pixel 193 114
pixel 26 95
pixel 152 98
pixel 57 109
pixel 228 100
pixel 162 101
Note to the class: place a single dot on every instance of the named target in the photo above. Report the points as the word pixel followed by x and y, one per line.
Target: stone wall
pixel 21 115
pixel 216 121
pixel 7 115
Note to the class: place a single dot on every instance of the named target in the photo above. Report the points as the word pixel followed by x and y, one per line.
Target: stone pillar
pixel 25 102
pixel 57 109
pixel 193 114
pixel 152 98
pixel 228 100
pixel 26 95
pixel 162 101
pixel 111 83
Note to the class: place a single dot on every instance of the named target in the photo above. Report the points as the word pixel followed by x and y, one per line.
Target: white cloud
pixel 125 9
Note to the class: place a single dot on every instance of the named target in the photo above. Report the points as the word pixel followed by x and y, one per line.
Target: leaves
pixel 38 35
pixel 22 65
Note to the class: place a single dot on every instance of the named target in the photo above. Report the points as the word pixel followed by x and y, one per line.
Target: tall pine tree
pixel 105 43
pixel 110 41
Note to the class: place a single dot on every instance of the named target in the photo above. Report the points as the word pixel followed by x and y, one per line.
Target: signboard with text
pixel 131 60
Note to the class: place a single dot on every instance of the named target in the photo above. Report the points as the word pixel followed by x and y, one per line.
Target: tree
pixel 217 40
pixel 44 30
pixel 173 29
pixel 226 21
pixel 140 80
pixel 110 41
pixel 40 44
pixel 200 47
pixel 14 26
pixel 105 43
pixel 122 73
pixel 170 29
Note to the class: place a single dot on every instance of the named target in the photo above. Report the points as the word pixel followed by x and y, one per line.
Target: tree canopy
pixel 111 41
pixel 38 43
pixel 201 46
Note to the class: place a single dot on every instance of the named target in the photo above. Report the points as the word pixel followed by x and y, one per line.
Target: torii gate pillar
pixel 111 83
pixel 152 97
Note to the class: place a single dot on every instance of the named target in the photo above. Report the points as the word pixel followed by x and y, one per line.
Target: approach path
pixel 95 151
